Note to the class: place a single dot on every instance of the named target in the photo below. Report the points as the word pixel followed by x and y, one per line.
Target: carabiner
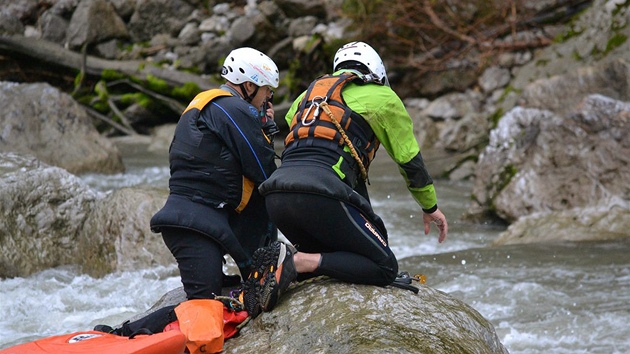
pixel 316 101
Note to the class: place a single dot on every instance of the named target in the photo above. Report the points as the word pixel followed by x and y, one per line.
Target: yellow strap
pixel 202 99
pixel 248 189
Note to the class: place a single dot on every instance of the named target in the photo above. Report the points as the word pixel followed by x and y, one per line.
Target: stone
pixel 327 316
pixel 40 120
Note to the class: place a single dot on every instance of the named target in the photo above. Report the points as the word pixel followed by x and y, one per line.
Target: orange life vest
pixel 312 126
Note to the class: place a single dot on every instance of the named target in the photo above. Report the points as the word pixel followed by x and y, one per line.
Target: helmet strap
pixel 247 97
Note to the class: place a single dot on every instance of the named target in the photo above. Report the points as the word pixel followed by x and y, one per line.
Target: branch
pixel 51 53
pixel 435 19
pixel 107 120
pixel 120 115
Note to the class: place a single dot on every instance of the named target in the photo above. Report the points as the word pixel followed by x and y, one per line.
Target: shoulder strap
pixel 203 98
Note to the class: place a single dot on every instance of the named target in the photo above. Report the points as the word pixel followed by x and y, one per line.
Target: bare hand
pixel 270 112
pixel 439 219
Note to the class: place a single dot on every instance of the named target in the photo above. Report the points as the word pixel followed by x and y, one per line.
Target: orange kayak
pixel 171 342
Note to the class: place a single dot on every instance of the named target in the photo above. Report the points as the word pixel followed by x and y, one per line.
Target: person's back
pixel 219 155
pixel 202 160
pixel 318 196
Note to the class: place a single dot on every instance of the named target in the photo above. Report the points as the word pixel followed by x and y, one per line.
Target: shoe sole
pixel 258 279
pixel 267 265
pixel 274 285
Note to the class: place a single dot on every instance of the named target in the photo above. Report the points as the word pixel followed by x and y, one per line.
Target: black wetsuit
pixel 218 158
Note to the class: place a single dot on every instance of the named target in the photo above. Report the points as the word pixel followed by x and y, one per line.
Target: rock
pixel 40 120
pixel 327 316
pixel 562 93
pixel 162 137
pixel 117 236
pixel 153 17
pixel 538 161
pixel 53 27
pixel 607 220
pixel 94 21
pixel 586 42
pixel 19 9
pixel 494 78
pixel 42 211
pixel 297 8
pixel 10 24
pixel 51 218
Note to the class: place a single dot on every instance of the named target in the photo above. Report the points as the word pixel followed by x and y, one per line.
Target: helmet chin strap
pixel 247 97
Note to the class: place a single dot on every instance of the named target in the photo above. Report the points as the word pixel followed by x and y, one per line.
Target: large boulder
pixel 328 316
pixel 40 120
pixel 94 21
pixel 563 93
pixel 117 236
pixel 606 220
pixel 597 35
pixel 51 218
pixel 42 210
pixel 539 161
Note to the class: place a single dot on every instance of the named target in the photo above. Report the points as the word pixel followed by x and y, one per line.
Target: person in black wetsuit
pixel 318 196
pixel 220 153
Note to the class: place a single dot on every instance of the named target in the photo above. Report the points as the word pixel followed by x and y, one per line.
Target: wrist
pixel 430 210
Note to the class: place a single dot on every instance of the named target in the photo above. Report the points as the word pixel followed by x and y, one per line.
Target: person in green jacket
pixel 318 197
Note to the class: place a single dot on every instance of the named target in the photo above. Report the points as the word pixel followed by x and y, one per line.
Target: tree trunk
pixel 53 56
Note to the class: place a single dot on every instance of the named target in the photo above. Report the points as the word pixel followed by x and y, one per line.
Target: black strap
pixel 140 331
pixel 403 281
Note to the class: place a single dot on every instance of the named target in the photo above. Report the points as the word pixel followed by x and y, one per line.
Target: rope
pixel 353 151
pixel 231 302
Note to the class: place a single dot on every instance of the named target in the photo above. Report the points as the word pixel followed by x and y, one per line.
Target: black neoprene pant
pixel 352 248
pixel 200 262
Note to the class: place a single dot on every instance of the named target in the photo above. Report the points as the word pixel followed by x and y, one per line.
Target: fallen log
pixel 46 52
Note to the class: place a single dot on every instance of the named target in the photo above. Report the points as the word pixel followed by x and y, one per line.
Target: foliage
pixel 312 61
pixel 617 40
pixel 428 34
pixel 186 92
pixel 157 84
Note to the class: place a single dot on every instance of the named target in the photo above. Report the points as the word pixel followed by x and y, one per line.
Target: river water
pixel 546 298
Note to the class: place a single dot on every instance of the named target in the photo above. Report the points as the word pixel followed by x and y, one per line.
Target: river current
pixel 545 298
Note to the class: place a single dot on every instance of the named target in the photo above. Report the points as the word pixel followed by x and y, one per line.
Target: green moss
pixel 186 92
pixel 85 99
pixel 136 98
pixel 130 98
pixel 542 62
pixel 111 75
pixel 615 41
pixel 78 79
pixel 571 33
pixel 361 8
pixel 101 91
pixel 101 106
pixel 157 84
pixel 505 177
pixel 508 90
pixel 620 7
pixel 495 118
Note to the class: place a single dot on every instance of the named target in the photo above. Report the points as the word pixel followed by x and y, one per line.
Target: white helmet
pixel 364 54
pixel 248 64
